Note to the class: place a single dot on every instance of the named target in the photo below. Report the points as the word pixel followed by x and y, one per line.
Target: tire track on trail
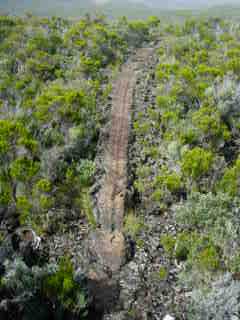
pixel 110 200
pixel 107 242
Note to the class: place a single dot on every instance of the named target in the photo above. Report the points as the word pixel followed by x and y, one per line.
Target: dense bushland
pixel 55 75
pixel 189 163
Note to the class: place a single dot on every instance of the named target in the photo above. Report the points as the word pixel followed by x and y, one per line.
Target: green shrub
pixel 203 259
pixel 204 210
pixel 197 162
pixel 170 118
pixel 168 243
pixel 87 208
pixel 230 180
pixel 219 301
pixel 10 132
pixel 216 216
pixel 133 224
pixel 165 184
pixel 164 70
pixel 140 185
pixel 63 286
pixel 30 144
pixel 162 273
pixel 85 171
pixel 46 202
pixel 23 169
pixel 233 65
pixel 208 259
pixel 183 245
pixel 189 136
pixel 53 284
pixel 164 102
pixel 208 121
pixel 64 103
pixel 6 193
pixel 209 71
pixel 24 208
pixel 234 264
pixel 141 128
pixel 168 180
pixel 187 74
pixel 44 185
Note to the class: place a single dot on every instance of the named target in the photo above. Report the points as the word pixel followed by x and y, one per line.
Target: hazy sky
pixel 21 5
pixel 179 3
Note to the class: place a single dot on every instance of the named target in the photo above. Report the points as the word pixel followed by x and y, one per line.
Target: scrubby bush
pixel 208 121
pixel 168 243
pixel 133 224
pixel 61 285
pixel 231 179
pixel 203 210
pixel 196 162
pixel 38 292
pixel 221 301
pixel 53 74
pixel 216 248
pixel 194 127
pixel 166 185
pixel 202 259
pixel 23 169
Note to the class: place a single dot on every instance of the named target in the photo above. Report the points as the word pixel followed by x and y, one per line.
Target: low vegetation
pixel 190 166
pixel 55 76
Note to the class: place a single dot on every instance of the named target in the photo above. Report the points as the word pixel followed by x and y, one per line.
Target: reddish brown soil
pixel 111 197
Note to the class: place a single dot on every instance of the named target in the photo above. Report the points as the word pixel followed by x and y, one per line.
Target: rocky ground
pixel 148 284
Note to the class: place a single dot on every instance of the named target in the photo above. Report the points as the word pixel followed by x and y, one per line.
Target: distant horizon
pixel 116 8
pixel 176 4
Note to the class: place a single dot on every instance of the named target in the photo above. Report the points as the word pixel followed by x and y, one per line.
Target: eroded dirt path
pixel 112 194
pixel 108 241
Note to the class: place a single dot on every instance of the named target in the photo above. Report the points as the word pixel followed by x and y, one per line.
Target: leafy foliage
pixel 187 159
pixel 196 162
pixel 220 302
pixel 52 284
pixel 133 224
pixel 62 285
pixel 55 76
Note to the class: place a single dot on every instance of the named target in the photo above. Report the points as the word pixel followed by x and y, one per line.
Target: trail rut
pixel 112 194
pixel 107 242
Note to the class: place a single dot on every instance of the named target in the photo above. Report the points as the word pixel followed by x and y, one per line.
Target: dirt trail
pixel 107 242
pixel 112 194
